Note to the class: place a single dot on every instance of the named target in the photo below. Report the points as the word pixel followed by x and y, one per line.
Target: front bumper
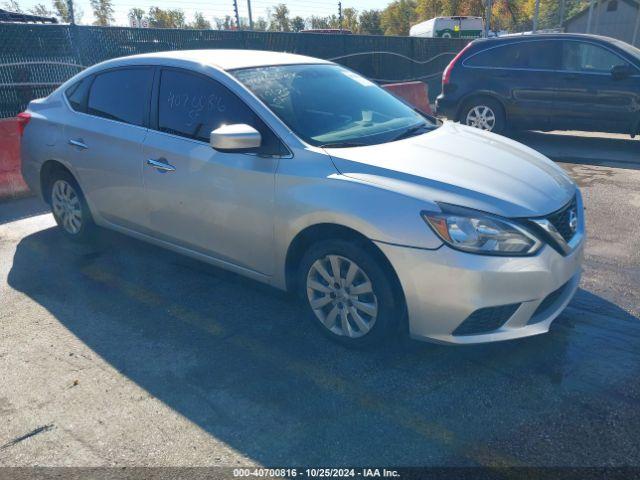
pixel 444 287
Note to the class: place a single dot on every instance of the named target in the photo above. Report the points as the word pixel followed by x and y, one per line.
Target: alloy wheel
pixel 66 205
pixel 482 117
pixel 341 296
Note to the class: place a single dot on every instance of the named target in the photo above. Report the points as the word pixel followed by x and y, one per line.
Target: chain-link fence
pixel 35 59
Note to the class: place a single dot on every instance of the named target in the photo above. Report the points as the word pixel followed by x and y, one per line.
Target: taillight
pixel 23 120
pixel 446 75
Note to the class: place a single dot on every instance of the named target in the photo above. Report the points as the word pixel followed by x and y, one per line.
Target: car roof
pixel 516 37
pixel 224 59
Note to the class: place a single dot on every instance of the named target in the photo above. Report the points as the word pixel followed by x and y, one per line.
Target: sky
pixel 219 8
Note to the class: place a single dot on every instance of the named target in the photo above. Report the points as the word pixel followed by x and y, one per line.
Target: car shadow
pixel 244 363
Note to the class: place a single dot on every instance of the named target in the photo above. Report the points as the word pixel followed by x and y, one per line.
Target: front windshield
pixel 630 49
pixel 327 105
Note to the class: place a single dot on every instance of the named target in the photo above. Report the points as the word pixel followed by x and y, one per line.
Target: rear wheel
pixel 484 113
pixel 69 207
pixel 349 294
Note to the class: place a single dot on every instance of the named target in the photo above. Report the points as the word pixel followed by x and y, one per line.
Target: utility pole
pixel 535 16
pixel 235 10
pixel 590 16
pixel 251 18
pixel 72 18
pixel 561 13
pixel 487 19
pixel 340 15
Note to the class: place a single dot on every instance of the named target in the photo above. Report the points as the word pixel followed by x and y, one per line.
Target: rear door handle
pixel 161 165
pixel 78 143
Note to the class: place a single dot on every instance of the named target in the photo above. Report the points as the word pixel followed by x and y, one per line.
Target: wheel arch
pixel 331 231
pixel 48 168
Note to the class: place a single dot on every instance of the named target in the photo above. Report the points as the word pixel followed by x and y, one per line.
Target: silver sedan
pixel 304 175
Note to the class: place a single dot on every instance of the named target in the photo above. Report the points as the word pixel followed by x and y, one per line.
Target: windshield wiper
pixel 342 144
pixel 413 131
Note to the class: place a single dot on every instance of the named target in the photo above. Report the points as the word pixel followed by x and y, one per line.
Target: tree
pixel 398 17
pixel 199 22
pixel 280 18
pixel 260 24
pixel 297 24
pixel 350 19
pixel 12 6
pixel 223 23
pixel 103 11
pixel 370 22
pixel 136 14
pixel 41 10
pixel 61 10
pixel 160 18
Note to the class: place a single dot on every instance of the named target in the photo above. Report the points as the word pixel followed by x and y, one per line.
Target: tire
pixel 69 207
pixel 372 315
pixel 484 113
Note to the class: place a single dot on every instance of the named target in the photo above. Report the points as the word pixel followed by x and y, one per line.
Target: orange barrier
pixel 11 182
pixel 415 93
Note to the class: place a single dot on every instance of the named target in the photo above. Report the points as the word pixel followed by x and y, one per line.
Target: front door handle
pixel 78 143
pixel 160 165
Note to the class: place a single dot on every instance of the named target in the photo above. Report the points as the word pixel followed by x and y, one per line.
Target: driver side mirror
pixel 618 72
pixel 240 136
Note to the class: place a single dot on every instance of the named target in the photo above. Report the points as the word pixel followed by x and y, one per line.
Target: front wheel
pixel 349 294
pixel 484 113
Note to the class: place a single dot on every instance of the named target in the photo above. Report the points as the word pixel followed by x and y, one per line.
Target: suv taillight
pixel 23 120
pixel 446 75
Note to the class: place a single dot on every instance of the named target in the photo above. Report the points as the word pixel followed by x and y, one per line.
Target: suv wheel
pixel 484 113
pixel 69 207
pixel 348 293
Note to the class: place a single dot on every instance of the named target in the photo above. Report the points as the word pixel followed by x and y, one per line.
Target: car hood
pixel 463 166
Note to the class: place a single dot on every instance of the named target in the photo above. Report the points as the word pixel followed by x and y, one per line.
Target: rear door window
pixel 121 95
pixel 542 55
pixel 192 106
pixel 587 57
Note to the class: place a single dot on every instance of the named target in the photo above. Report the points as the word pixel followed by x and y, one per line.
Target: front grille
pixel 561 220
pixel 549 301
pixel 486 320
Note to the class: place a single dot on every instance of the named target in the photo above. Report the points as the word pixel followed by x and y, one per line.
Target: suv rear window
pixel 121 94
pixel 539 54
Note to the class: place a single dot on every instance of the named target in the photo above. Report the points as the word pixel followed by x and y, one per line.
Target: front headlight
pixel 477 232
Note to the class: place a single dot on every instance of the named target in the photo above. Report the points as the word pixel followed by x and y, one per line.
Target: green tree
pixel 199 22
pixel 160 18
pixel 370 22
pixel 297 24
pixel 102 11
pixel 350 19
pixel 280 18
pixel 61 10
pixel 398 17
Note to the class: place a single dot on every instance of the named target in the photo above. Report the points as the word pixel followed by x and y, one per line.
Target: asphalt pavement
pixel 125 354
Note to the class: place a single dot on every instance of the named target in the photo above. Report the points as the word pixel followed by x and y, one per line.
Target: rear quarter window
pixel 77 94
pixel 540 54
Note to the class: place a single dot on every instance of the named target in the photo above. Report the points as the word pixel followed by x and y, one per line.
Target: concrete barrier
pixel 415 93
pixel 11 182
